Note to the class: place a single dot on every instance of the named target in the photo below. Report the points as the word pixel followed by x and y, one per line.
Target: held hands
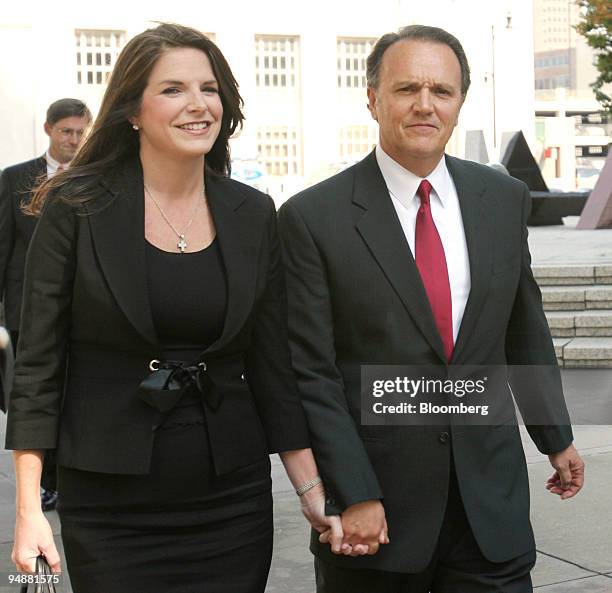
pixel 364 527
pixel 33 537
pixel 569 473
pixel 330 526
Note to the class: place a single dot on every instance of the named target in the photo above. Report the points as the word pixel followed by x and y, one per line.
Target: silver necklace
pixel 182 244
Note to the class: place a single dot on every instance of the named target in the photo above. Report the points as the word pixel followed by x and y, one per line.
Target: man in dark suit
pixel 65 124
pixel 412 257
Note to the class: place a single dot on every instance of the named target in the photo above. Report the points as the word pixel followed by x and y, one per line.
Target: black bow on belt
pixel 169 380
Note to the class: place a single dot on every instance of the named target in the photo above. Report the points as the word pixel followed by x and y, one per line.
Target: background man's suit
pixel 16 228
pixel 355 298
pixel 17 184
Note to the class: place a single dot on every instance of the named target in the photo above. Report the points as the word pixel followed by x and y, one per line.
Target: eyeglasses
pixel 69 132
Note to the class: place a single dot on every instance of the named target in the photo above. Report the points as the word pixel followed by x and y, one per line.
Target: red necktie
pixel 431 263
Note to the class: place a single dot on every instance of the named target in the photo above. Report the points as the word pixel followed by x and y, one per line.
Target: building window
pixel 561 82
pixel 357 140
pixel 594 118
pixel 280 149
pixel 555 82
pixel 351 61
pixel 276 61
pixel 96 53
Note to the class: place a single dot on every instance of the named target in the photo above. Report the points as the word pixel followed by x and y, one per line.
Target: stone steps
pixel 573 274
pixel 579 353
pixel 577 301
pixel 570 324
pixel 577 298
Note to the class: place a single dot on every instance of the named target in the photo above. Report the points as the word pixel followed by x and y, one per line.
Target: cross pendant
pixel 182 244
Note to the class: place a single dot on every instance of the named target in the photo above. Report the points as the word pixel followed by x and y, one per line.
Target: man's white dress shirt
pixel 446 212
pixel 52 165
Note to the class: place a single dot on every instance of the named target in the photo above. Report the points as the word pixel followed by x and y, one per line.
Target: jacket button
pixel 154 427
pixel 443 437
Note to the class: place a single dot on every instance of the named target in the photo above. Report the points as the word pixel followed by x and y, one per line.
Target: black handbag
pixel 43 580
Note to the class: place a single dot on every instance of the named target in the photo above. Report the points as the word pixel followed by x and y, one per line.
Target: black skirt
pixel 179 529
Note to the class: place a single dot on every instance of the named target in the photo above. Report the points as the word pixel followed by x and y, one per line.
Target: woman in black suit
pixel 153 349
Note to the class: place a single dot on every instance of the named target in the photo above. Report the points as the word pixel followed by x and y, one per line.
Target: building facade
pixel 572 131
pixel 562 58
pixel 301 72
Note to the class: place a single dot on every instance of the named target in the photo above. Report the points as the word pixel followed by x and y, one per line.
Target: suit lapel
pixel 117 230
pixel 118 233
pixel 40 168
pixel 479 227
pixel 32 176
pixel 381 230
pixel 239 239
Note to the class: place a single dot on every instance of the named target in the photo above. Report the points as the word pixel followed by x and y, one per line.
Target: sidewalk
pixel 552 245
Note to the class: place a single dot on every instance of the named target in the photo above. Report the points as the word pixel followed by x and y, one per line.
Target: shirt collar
pixel 52 164
pixel 403 184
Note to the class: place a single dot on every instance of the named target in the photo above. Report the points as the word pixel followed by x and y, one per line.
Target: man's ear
pixel 372 103
pixel 47 129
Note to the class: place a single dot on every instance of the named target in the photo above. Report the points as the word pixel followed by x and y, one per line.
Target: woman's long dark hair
pixel 112 139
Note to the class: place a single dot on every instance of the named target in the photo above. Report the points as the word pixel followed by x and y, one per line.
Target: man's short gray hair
pixel 420 33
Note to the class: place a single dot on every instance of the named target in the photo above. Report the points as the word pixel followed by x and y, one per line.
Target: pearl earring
pixel 135 126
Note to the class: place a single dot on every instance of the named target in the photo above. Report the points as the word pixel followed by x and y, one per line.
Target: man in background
pixel 65 124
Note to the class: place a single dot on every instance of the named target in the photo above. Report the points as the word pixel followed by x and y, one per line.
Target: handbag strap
pixel 42 570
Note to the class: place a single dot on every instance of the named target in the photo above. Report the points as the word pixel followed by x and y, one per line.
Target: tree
pixel 596 27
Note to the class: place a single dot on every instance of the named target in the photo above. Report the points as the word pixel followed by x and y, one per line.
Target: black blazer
pixel 16 228
pixel 356 297
pixel 86 303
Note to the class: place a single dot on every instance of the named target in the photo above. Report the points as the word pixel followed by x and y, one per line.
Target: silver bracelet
pixel 308 486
